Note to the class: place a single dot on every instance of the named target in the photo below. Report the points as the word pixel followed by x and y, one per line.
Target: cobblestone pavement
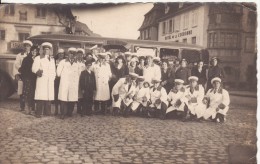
pixel 108 139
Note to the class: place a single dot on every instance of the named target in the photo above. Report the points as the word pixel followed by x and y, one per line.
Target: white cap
pixel 72 49
pixel 128 53
pixel 215 79
pixel 28 42
pixel 46 45
pixel 193 78
pixel 102 54
pixel 60 50
pixel 141 78
pixel 156 80
pixel 179 81
pixel 134 59
pixel 133 74
pixel 81 50
pixel 157 58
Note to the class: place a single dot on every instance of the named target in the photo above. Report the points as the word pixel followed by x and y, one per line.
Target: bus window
pixel 205 56
pixel 191 56
pixel 169 54
pixel 145 50
pixel 66 45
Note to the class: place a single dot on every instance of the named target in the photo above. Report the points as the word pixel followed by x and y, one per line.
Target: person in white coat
pixel 123 93
pixel 69 72
pixel 141 98
pixel 194 96
pixel 44 67
pixel 27 44
pixel 177 99
pixel 103 74
pixel 158 100
pixel 81 63
pixel 151 70
pixel 218 101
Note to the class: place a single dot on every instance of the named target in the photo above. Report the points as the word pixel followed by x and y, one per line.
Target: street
pixel 109 139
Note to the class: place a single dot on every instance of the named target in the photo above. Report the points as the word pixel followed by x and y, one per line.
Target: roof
pixel 82 27
pixel 104 40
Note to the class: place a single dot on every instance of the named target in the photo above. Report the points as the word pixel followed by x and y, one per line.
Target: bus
pixel 165 50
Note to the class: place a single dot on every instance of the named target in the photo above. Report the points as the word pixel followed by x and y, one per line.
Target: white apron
pixel 158 94
pixel 174 97
pixel 141 93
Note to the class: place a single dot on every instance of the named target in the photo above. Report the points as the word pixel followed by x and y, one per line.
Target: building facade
pixel 19 21
pixel 227 30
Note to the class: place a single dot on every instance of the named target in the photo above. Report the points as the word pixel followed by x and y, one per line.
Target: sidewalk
pixel 243 93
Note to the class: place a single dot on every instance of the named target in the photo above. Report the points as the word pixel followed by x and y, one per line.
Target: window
pixel 23 36
pixel 186 21
pixel 212 39
pixel 41 12
pixel 164 27
pixel 194 20
pixel 23 16
pixel 218 18
pixel 9 10
pixel 2 34
pixel 193 40
pixel 177 23
pixel 180 4
pixel 170 26
pixel 184 40
pixel 224 40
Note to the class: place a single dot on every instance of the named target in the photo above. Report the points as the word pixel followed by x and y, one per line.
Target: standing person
pixel 118 69
pixel 58 58
pixel 167 76
pixel 158 100
pixel 103 74
pixel 27 44
pixel 218 101
pixel 214 71
pixel 128 57
pixel 44 67
pixel 200 72
pixel 141 64
pixel 133 68
pixel 81 63
pixel 151 70
pixel 68 71
pixel 183 72
pixel 176 65
pixel 87 83
pixel 29 78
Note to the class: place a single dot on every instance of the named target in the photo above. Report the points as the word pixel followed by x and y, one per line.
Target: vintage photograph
pixel 111 83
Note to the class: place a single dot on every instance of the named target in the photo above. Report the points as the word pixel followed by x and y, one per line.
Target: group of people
pixel 128 84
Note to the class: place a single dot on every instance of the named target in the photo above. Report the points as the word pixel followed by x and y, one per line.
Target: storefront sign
pixel 181 34
pixel 16 45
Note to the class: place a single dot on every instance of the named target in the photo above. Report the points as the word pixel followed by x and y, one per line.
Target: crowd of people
pixel 123 85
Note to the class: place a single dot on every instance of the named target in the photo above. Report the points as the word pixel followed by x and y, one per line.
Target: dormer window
pixel 167 8
pixel 181 5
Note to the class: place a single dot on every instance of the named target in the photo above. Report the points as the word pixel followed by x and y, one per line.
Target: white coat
pixel 151 72
pixel 215 99
pixel 174 96
pixel 121 89
pixel 69 80
pixel 44 84
pixel 196 107
pixel 140 94
pixel 158 93
pixel 102 74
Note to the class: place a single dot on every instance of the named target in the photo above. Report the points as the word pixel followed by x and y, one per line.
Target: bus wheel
pixel 5 87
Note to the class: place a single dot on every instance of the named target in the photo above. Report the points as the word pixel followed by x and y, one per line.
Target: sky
pixel 122 21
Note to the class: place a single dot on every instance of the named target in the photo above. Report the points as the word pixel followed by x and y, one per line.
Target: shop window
pixel 23 36
pixel 2 34
pixel 170 26
pixel 177 24
pixel 9 9
pixel 23 16
pixel 194 18
pixel 41 12
pixel 186 21
pixel 164 27
pixel 193 40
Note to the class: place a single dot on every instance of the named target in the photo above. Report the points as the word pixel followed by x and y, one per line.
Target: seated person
pixel 218 101
pixel 194 96
pixel 141 98
pixel 123 92
pixel 176 97
pixel 158 100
